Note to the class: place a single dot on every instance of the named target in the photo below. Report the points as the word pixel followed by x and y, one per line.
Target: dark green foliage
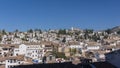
pixel 64 40
pixel 108 31
pixel 30 31
pixel 39 30
pixel 16 36
pixel 0 38
pixel 106 36
pixel 16 30
pixel 118 32
pixel 59 55
pixel 95 37
pixel 62 31
pixel 24 39
pixel 4 32
pixel 88 31
pixel 73 51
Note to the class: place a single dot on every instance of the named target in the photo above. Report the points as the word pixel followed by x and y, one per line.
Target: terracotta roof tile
pixel 2 66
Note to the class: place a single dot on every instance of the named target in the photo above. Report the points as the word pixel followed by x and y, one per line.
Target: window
pixel 50 57
pixel 18 62
pixel 8 66
pixel 11 54
pixel 10 60
pixel 11 66
pixel 14 61
pixel 17 54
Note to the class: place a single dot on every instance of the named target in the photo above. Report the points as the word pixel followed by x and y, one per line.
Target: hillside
pixel 115 29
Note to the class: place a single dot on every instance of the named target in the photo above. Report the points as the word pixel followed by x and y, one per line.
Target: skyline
pixel 59 14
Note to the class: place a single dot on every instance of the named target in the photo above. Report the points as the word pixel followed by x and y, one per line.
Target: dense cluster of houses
pixel 17 54
pixel 22 48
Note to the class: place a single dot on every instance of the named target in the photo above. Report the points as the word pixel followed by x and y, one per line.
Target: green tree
pixel 86 35
pixel 30 31
pixel 73 51
pixel 64 40
pixel 62 31
pixel 108 31
pixel 4 32
pixel 0 38
pixel 16 30
pixel 16 36
pixel 118 32
pixel 88 31
pixel 95 37
pixel 39 30
pixel 59 55
pixel 105 37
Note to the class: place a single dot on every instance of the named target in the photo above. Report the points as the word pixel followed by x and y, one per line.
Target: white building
pixel 93 47
pixel 16 51
pixel 22 49
pixel 19 50
pixel 79 46
pixel 30 51
pixel 13 61
pixel 76 46
pixel 34 51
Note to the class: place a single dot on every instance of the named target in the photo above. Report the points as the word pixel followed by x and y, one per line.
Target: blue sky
pixel 56 14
